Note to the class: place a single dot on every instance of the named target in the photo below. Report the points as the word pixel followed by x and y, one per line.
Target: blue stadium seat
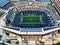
pixel 16 22
pixel 46 20
pixel 9 17
pixel 31 30
pixel 49 28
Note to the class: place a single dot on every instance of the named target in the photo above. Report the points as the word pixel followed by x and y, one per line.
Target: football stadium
pixel 30 22
pixel 32 19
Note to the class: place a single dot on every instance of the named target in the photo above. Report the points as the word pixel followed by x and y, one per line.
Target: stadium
pixel 31 24
pixel 30 21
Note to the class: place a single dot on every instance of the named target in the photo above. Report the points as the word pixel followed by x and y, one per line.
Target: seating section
pixel 26 29
pixel 16 22
pixel 49 28
pixel 45 23
pixel 31 30
pixel 9 17
pixel 32 27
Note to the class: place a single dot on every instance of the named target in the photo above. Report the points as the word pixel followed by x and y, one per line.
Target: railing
pixel 30 8
pixel 24 4
pixel 31 5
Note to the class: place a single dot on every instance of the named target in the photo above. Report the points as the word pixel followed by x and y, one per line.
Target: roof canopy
pixel 5 4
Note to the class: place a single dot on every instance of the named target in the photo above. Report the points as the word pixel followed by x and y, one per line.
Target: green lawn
pixel 31 19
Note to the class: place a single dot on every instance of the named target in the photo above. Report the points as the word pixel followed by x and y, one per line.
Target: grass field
pixel 31 19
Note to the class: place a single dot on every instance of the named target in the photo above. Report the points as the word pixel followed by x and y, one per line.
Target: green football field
pixel 31 19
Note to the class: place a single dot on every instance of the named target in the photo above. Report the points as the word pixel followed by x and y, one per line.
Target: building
pixel 30 21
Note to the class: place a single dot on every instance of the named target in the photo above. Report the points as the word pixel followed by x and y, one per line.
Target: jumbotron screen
pixel 31 19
